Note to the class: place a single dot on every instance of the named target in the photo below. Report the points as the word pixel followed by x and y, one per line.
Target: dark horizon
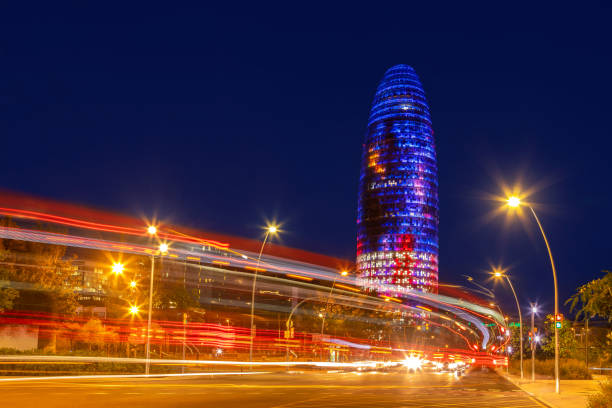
pixel 223 119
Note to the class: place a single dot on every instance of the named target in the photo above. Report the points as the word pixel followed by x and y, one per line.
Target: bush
pixel 603 399
pixel 569 368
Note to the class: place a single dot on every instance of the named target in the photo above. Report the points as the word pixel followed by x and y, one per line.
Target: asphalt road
pixel 274 390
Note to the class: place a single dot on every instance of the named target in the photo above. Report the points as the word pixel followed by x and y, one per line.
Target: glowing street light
pixel 498 273
pixel 118 268
pixel 270 230
pixel 133 284
pixel 163 249
pixel 534 310
pixel 342 273
pixel 515 202
pixel 134 310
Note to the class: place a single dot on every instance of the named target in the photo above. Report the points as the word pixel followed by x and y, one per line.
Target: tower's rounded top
pixel 400 68
pixel 399 96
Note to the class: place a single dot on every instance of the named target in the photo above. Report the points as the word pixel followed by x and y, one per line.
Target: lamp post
pixel 288 322
pixel 501 274
pixel 271 229
pixel 331 291
pixel 343 273
pixel 133 310
pixel 508 351
pixel 534 309
pixel 163 248
pixel 515 202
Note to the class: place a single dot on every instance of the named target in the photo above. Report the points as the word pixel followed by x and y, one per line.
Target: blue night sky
pixel 221 118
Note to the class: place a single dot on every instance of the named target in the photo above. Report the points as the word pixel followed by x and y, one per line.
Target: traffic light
pixel 530 337
pixel 558 320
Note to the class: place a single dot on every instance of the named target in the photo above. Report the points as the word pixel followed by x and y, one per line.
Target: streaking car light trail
pixel 118 376
pixel 300 271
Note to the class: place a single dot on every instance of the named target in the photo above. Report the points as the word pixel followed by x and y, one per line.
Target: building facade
pixel 397 218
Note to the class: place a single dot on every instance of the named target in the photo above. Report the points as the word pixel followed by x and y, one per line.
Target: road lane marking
pixel 119 376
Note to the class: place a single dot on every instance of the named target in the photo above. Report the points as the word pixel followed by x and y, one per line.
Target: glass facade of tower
pixel 397 219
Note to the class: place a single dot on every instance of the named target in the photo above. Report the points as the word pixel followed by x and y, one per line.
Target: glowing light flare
pixel 152 230
pixel 413 363
pixel 163 248
pixel 513 201
pixel 118 268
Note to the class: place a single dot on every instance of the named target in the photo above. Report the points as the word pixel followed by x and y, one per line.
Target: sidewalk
pixel 574 393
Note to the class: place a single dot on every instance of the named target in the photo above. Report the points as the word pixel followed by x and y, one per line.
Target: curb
pixel 539 400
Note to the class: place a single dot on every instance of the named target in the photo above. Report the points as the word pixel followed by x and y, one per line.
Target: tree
pixel 40 268
pixel 169 295
pixel 7 295
pixel 593 299
pixel 567 340
pixel 515 342
pixel 94 333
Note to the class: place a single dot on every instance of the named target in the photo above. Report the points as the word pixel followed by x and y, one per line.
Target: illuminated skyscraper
pixel 397 219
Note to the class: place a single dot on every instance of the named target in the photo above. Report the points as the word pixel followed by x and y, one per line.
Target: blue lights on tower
pixel 397 220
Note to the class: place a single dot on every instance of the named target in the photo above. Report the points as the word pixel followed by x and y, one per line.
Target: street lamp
pixel 118 268
pixel 500 274
pixel 134 310
pixel 515 202
pixel 534 310
pixel 163 249
pixel 342 273
pixel 270 229
pixel 288 323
